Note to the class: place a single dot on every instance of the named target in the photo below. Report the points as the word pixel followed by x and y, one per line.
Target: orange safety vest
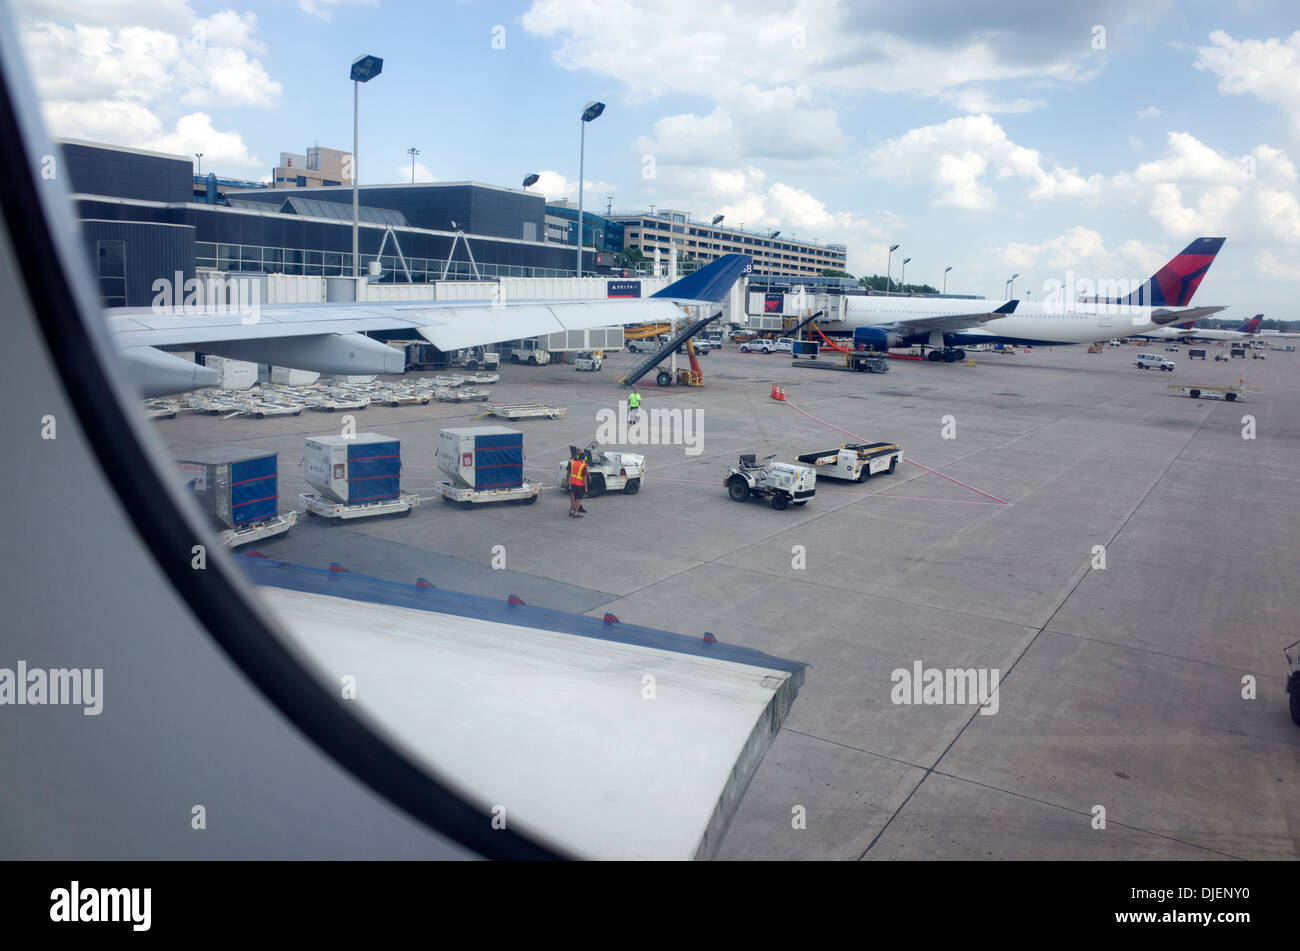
pixel 577 472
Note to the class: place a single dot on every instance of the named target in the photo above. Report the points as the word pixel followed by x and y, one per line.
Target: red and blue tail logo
pixel 1251 326
pixel 1175 283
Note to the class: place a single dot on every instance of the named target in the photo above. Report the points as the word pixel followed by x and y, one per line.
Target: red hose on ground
pixel 827 339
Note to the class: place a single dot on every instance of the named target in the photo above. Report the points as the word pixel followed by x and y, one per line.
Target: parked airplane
pixel 331 338
pixel 946 324
pixel 1188 331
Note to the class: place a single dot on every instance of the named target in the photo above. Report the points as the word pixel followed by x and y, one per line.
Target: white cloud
pixel 1082 251
pixel 1135 143
pixel 422 173
pixel 1268 69
pixel 1274 270
pixel 324 9
pixel 1150 112
pixel 1189 160
pixel 784 124
pixel 976 100
pixel 195 133
pixel 173 16
pixel 957 156
pixel 104 77
pixel 555 187
pixel 133 124
pixel 833 46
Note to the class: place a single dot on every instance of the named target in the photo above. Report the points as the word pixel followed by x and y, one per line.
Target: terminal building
pixel 651 231
pixel 144 217
pixel 317 168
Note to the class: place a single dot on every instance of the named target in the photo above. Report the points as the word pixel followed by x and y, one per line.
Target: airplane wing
pixel 331 338
pixel 1162 315
pixel 948 323
pixel 531 707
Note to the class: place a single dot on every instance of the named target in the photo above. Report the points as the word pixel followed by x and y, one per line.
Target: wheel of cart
pixel 632 487
pixel 738 488
pixel 779 501
pixel 595 486
pixel 1195 394
pixel 664 378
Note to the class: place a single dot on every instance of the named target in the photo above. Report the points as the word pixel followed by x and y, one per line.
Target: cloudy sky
pixel 1021 136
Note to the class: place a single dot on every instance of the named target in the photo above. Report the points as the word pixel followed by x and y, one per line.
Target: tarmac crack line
pixel 1034 640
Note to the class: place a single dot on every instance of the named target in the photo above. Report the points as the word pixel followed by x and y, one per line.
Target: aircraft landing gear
pixel 947 355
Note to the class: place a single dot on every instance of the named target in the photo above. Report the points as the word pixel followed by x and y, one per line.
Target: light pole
pixel 902 277
pixel 945 278
pixel 889 268
pixel 199 156
pixel 531 179
pixel 413 152
pixel 1011 285
pixel 364 69
pixel 590 111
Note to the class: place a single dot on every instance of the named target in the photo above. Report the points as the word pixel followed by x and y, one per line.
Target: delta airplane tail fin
pixel 1251 326
pixel 1175 283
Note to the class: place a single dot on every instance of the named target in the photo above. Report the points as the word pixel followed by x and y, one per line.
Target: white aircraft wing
pixel 1162 315
pixel 331 338
pixel 543 713
pixel 948 323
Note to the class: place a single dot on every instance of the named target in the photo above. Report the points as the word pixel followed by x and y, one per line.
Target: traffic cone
pixel 780 393
pixel 774 396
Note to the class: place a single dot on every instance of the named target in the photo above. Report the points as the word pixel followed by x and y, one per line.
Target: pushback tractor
pixel 782 483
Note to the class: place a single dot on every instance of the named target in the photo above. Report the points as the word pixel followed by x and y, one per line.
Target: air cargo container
pixel 484 464
pixel 234 374
pixel 235 486
pixel 482 457
pixel 354 469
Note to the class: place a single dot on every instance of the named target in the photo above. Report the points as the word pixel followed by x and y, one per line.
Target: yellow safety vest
pixel 577 472
pixel 634 401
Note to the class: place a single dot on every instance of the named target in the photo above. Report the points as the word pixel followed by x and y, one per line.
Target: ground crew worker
pixel 633 405
pixel 577 482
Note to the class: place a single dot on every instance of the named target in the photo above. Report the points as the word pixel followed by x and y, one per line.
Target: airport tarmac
pixel 1121 687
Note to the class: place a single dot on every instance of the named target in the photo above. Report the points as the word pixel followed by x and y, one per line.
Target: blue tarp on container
pixel 374 471
pixel 499 460
pixel 253 491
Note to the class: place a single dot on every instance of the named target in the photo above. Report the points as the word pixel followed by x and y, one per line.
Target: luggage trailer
pixel 854 462
pixel 1228 394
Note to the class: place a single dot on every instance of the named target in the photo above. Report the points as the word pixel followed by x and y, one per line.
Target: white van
pixel 1145 361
